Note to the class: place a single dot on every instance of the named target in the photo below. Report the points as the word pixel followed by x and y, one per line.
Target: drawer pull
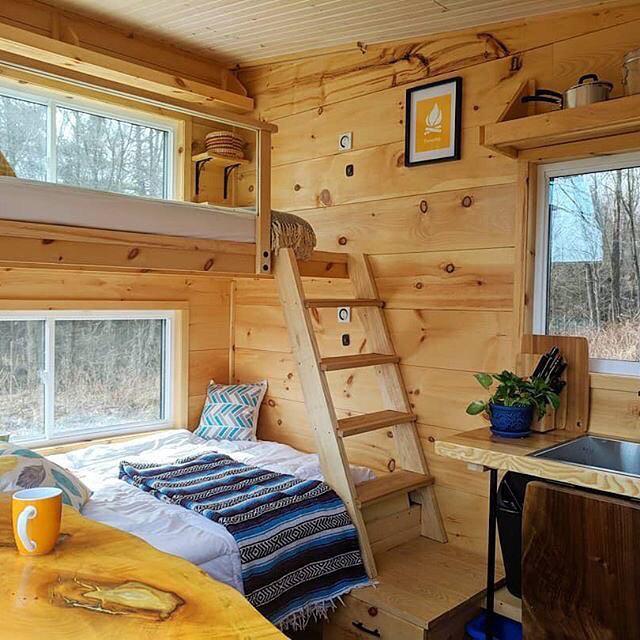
pixel 360 627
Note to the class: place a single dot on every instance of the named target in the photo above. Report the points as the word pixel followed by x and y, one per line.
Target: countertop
pixel 480 447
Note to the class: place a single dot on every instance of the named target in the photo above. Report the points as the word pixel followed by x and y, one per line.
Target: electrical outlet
pixel 345 141
pixel 346 339
pixel 344 315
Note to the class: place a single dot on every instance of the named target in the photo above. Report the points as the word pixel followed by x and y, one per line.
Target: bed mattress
pixel 171 528
pixel 32 201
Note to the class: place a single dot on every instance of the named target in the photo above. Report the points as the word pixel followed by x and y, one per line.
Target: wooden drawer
pixel 358 621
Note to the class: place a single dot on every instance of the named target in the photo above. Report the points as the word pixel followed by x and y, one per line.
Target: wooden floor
pixel 426 590
pixel 424 581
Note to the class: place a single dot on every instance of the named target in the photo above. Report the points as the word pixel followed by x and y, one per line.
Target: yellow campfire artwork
pixel 435 134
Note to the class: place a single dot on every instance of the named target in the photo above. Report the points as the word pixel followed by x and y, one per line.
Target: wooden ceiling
pixel 247 31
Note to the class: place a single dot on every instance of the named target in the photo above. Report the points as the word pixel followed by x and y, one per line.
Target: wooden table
pixel 486 451
pixel 480 447
pixel 106 584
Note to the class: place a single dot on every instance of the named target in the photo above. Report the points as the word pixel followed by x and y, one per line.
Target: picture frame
pixel 433 122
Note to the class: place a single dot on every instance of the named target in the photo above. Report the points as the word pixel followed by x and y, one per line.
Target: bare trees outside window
pixel 63 376
pixel 45 140
pixel 593 267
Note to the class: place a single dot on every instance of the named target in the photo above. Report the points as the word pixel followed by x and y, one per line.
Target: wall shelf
pixel 600 120
pixel 228 164
pixel 217 159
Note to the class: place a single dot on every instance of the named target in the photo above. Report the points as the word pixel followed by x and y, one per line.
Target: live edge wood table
pixel 102 583
pixel 485 451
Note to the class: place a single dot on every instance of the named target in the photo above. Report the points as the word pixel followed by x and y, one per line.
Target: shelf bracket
pixel 227 174
pixel 199 167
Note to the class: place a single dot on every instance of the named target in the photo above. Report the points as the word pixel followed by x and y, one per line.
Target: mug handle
pixel 28 513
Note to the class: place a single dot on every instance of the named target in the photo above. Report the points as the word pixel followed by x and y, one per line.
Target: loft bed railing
pixel 38 245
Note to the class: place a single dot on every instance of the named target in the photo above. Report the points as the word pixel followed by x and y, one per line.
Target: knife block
pixel 573 412
pixel 554 418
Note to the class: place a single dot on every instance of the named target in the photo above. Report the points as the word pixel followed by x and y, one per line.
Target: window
pixel 75 144
pixel 65 375
pixel 587 280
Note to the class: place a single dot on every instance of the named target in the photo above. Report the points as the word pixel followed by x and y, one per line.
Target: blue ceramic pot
pixel 511 422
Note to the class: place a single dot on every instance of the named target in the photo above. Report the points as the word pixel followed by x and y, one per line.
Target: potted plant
pixel 514 402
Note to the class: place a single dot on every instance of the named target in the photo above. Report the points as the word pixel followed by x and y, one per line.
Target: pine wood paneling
pixel 442 237
pixel 264 29
pixel 447 280
pixel 444 339
pixel 478 218
pixel 304 135
pixel 312 82
pixel 379 173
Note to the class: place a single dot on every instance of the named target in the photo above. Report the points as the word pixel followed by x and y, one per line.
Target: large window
pixel 64 375
pixel 75 144
pixel 588 258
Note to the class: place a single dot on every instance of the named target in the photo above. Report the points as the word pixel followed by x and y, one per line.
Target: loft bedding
pixel 299 550
pixel 170 527
pixel 33 201
pixel 46 203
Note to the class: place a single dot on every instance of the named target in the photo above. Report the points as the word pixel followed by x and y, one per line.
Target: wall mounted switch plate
pixel 344 315
pixel 345 141
pixel 346 339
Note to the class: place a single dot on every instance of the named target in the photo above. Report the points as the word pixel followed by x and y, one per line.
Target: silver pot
pixel 589 89
pixel 631 73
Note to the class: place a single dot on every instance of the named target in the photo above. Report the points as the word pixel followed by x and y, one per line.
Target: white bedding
pixel 171 528
pixel 32 201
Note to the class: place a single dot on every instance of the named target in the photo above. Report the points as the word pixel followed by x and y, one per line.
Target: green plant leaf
pixel 554 399
pixel 484 379
pixel 476 407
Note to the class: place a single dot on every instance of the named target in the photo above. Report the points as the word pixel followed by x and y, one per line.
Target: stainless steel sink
pixel 609 454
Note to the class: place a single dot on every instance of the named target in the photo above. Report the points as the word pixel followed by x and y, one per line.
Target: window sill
pixel 63 445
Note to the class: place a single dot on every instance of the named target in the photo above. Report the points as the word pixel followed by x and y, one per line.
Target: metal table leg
pixel 491 552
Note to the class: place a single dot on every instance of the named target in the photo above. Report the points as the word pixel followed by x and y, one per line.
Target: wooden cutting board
pixel 573 414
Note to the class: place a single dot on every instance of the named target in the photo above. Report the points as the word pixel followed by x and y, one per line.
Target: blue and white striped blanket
pixel 299 550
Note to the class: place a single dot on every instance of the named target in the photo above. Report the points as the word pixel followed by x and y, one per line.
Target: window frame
pixel 50 100
pixel 546 171
pixel 174 390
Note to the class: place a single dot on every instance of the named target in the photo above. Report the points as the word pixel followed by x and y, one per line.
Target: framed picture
pixel 432 127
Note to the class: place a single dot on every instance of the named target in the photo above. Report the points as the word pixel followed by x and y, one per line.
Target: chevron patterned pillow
pixel 231 411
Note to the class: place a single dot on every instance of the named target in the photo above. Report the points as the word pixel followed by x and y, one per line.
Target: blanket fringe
pixel 317 611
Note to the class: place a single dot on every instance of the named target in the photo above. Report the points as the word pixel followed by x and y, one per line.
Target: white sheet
pixel 32 201
pixel 171 528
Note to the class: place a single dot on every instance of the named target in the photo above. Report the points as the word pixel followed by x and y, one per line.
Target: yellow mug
pixel 36 515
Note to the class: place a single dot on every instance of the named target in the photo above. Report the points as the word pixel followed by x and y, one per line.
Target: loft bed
pixel 44 224
pixel 25 243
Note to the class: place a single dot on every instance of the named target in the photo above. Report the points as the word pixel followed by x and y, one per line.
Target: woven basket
pixel 225 143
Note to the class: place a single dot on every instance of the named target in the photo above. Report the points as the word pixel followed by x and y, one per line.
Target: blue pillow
pixel 231 411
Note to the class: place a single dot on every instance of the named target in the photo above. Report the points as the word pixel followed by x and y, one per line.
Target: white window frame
pixel 540 285
pixel 47 99
pixel 172 388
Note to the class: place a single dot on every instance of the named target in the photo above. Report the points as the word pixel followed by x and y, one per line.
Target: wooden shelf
pixel 600 120
pixel 386 485
pixel 221 161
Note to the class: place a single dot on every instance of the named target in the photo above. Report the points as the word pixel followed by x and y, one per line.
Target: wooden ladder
pixel 412 474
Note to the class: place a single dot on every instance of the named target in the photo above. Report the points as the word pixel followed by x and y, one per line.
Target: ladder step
pixel 389 484
pixel 372 421
pixel 337 363
pixel 319 303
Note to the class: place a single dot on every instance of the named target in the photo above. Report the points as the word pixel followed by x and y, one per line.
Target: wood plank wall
pixel 441 236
